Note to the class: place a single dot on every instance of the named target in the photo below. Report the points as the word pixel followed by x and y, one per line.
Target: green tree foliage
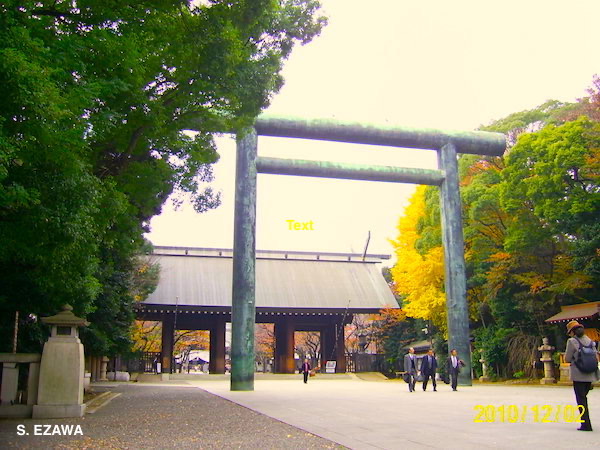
pixel 531 227
pixel 530 231
pixel 393 331
pixel 494 341
pixel 106 109
pixel 531 120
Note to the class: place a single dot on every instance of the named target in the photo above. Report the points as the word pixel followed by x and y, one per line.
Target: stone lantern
pixel 546 358
pixel 60 392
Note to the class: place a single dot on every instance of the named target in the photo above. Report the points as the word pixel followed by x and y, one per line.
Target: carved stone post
pixel 546 358
pixel 10 381
pixel 484 377
pixel 103 365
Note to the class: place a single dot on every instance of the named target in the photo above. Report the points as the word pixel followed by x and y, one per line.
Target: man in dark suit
pixel 454 365
pixel 428 369
pixel 305 369
pixel 410 367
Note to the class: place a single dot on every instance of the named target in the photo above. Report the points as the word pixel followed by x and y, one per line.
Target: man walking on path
pixel 582 380
pixel 428 369
pixel 410 367
pixel 454 365
pixel 305 369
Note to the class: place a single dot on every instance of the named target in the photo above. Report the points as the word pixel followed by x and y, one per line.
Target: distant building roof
pixel 200 277
pixel 580 311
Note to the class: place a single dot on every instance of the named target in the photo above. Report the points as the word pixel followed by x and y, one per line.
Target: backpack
pixel 585 358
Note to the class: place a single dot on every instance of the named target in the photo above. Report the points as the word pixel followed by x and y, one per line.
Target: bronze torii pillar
pixel 447 144
pixel 243 307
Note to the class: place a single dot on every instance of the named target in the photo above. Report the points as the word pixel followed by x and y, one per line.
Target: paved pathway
pixel 151 417
pixel 384 415
pixel 350 412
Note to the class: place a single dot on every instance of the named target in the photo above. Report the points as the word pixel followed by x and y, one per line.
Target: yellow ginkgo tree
pixel 419 278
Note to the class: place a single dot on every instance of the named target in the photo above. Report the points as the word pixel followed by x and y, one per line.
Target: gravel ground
pixel 166 417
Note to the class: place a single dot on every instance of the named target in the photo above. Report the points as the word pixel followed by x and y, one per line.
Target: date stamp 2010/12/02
pixel 521 414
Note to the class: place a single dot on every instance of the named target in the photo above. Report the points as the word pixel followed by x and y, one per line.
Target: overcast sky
pixel 432 64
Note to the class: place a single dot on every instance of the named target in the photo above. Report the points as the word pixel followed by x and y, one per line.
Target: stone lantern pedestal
pixel 546 358
pixel 60 392
pixel 484 377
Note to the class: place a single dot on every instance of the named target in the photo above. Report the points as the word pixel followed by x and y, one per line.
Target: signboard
pixel 330 366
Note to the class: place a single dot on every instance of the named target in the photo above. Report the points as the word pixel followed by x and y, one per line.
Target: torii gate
pixel 248 164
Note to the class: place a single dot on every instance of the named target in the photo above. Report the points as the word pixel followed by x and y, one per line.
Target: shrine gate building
pixel 296 291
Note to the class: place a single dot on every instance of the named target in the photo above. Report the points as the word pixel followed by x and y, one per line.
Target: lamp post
pixel 362 341
pixel 427 331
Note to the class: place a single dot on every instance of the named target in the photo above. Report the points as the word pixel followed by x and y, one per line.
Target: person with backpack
pixel 581 353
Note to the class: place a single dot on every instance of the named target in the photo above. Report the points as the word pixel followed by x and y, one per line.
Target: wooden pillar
pixel 333 346
pixel 327 341
pixel 217 346
pixel 340 348
pixel 167 343
pixel 284 345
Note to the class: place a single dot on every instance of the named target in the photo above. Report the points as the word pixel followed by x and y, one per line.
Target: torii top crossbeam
pixel 474 142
